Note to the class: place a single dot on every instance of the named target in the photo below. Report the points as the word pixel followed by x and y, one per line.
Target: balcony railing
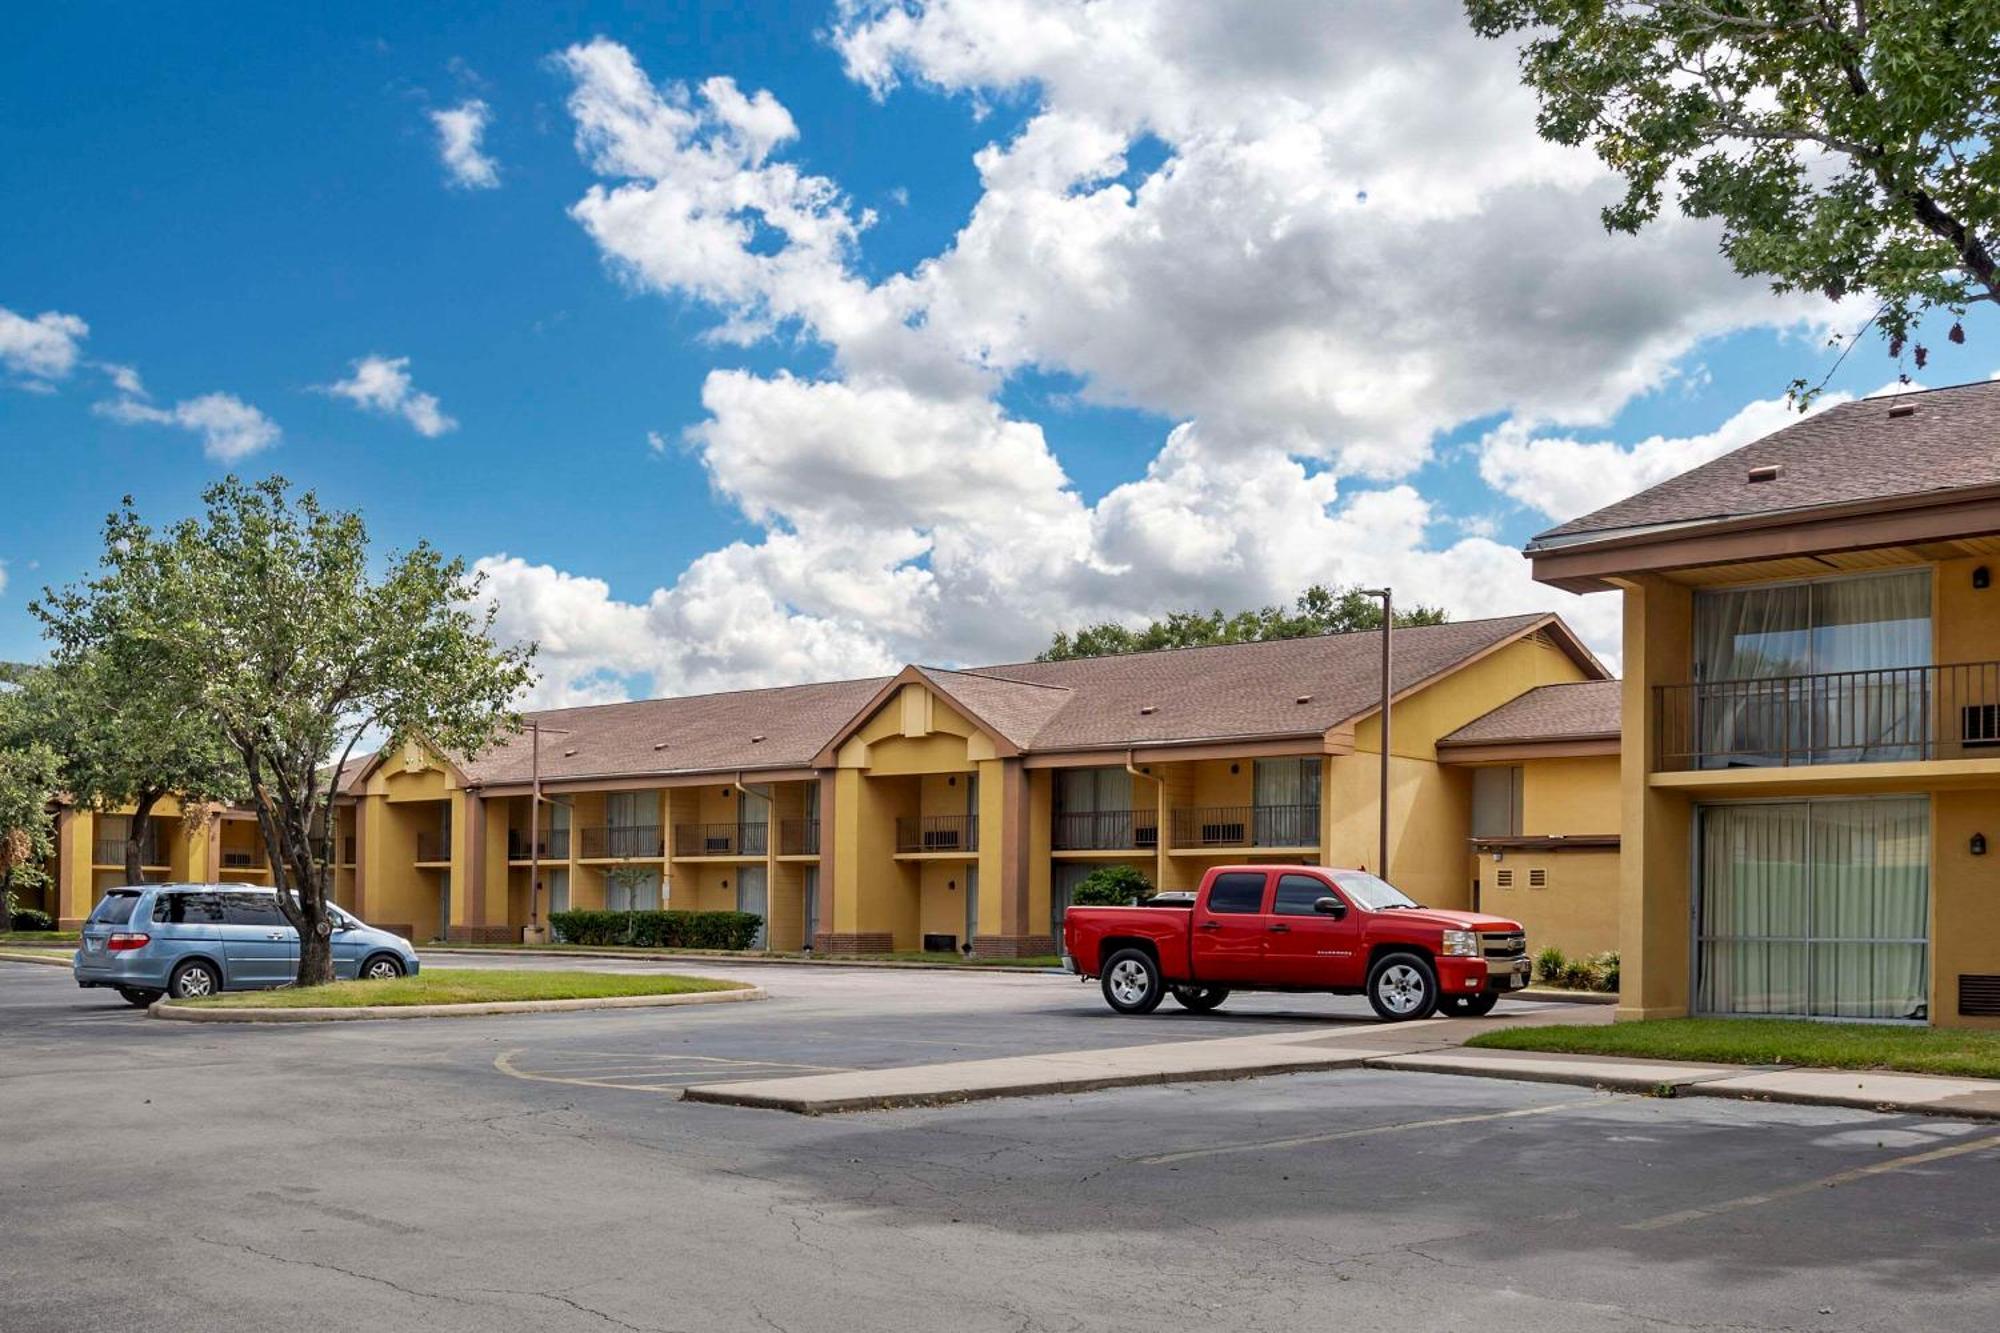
pixel 1247 826
pixel 937 833
pixel 244 858
pixel 624 843
pixel 798 837
pixel 721 839
pixel 553 845
pixel 1105 830
pixel 1840 717
pixel 433 846
pixel 111 852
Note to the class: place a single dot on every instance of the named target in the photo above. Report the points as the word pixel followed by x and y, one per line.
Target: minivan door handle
pixel 275 935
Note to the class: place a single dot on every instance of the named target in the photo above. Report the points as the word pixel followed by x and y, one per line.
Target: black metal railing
pixel 244 858
pixel 1839 717
pixel 553 845
pixel 798 837
pixel 111 852
pixel 721 839
pixel 937 833
pixel 1105 830
pixel 433 846
pixel 1247 826
pixel 623 843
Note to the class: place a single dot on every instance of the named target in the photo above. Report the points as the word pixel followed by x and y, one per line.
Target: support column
pixel 1019 936
pixel 1656 901
pixel 864 838
pixel 360 822
pixel 75 894
pixel 823 882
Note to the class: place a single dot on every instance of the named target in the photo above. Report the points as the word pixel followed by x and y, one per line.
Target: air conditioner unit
pixel 1979 724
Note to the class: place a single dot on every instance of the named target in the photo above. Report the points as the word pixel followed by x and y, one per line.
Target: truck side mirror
pixel 1330 906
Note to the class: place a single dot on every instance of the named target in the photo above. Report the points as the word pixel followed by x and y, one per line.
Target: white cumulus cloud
pixel 382 384
pixel 461 132
pixel 43 349
pixel 230 428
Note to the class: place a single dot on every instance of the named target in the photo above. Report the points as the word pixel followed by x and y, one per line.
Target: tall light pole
pixel 534 932
pixel 1388 656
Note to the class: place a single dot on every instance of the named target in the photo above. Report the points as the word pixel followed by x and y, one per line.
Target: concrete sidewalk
pixel 1427 1047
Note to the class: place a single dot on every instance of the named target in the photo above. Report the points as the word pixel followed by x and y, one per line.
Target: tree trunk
pixel 142 814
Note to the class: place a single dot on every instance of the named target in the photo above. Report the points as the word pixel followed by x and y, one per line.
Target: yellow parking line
pixel 1363 1131
pixel 1833 1181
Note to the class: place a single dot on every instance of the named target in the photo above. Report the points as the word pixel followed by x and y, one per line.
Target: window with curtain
pixel 632 891
pixel 1286 795
pixel 1827 671
pixel 1496 802
pixel 1093 808
pixel 1815 908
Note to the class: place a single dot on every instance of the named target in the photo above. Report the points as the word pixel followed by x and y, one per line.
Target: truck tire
pixel 1470 1006
pixel 1199 999
pixel 1403 986
pixel 1132 982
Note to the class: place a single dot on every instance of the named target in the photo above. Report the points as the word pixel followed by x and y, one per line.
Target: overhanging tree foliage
pixel 265 613
pixel 28 783
pixel 1317 611
pixel 1845 145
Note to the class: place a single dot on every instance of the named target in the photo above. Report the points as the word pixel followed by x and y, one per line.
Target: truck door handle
pixel 1281 929
pixel 1209 925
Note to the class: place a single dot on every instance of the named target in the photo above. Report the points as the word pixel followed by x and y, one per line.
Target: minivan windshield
pixel 1370 893
pixel 116 909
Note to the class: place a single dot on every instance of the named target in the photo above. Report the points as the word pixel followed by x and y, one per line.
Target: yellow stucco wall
pixel 1575 909
pixel 1965 906
pixel 1567 797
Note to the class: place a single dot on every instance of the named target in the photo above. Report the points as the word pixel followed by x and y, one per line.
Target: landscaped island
pixel 466 986
pixel 1770 1041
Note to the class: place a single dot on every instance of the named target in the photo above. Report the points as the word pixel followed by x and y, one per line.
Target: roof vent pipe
pixel 1767 472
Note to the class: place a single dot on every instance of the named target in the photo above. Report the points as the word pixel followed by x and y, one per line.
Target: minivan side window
pixel 188 909
pixel 1238 893
pixel 252 909
pixel 116 909
pixel 1298 893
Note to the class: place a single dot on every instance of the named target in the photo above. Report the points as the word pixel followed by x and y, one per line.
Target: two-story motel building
pixel 1811 717
pixel 955 809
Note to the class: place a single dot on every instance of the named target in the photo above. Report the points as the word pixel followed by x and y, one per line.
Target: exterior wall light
pixel 1979 844
pixel 1982 577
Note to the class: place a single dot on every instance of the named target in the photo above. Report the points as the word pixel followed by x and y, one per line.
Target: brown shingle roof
pixel 1190 694
pixel 1583 710
pixel 1854 452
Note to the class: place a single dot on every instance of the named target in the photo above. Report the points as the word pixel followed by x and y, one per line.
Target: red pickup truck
pixel 1297 928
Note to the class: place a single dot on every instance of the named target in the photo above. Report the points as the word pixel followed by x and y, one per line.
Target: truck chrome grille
pixel 1505 943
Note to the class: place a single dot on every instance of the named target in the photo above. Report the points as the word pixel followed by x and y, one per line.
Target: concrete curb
pixel 755 960
pixel 197 1014
pixel 1647 1077
pixel 53 958
pixel 1549 995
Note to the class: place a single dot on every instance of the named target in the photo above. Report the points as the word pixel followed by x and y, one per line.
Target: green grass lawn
pixel 51 938
pixel 466 986
pixel 900 956
pixel 1774 1041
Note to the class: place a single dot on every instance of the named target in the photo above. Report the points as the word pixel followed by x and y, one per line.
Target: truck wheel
pixel 1132 982
pixel 1199 999
pixel 1402 986
pixel 1470 1006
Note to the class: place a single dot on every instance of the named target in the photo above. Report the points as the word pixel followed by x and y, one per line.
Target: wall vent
pixel 1504 878
pixel 1538 879
pixel 1979 995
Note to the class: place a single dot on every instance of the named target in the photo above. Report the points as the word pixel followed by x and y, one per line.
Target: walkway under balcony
pixel 1289 828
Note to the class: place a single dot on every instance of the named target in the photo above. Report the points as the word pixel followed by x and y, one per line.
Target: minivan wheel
pixel 1132 982
pixel 1402 986
pixel 1199 999
pixel 382 967
pixel 193 981
pixel 138 998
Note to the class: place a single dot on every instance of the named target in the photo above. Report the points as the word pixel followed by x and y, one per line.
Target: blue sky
pixel 247 199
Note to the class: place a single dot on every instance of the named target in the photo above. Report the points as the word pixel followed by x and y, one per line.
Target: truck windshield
pixel 1370 893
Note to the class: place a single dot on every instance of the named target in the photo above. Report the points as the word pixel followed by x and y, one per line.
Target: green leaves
pixel 1317 611
pixel 1844 146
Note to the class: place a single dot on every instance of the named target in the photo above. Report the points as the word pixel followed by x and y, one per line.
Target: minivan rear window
pixel 116 909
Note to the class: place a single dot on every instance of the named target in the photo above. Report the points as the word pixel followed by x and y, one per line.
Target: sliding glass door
pixel 1815 908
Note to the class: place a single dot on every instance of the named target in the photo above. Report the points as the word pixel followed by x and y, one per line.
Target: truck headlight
pixel 1461 944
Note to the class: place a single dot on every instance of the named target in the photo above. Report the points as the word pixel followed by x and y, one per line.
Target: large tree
pixel 28 783
pixel 1845 145
pixel 127 733
pixel 1316 611
pixel 267 614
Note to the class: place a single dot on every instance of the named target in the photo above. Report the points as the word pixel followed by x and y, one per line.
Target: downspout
pixel 1159 811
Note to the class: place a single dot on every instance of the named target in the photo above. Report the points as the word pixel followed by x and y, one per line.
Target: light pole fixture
pixel 1388 657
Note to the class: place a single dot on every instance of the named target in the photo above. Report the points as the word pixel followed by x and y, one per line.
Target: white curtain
pixel 1286 795
pixel 1882 626
pixel 1817 908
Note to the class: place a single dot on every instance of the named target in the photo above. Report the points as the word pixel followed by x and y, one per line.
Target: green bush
pixel 27 918
pixel 1551 964
pixel 1599 972
pixel 1111 886
pixel 658 930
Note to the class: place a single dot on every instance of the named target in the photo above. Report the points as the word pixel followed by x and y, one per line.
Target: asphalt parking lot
pixel 538 1172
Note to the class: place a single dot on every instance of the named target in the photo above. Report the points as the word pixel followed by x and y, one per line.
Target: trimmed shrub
pixel 658 930
pixel 1551 965
pixel 27 918
pixel 1111 886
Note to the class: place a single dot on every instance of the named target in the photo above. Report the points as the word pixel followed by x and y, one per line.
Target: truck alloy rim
pixel 1401 988
pixel 1129 982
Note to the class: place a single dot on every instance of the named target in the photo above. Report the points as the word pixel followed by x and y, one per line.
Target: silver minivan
pixel 190 940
